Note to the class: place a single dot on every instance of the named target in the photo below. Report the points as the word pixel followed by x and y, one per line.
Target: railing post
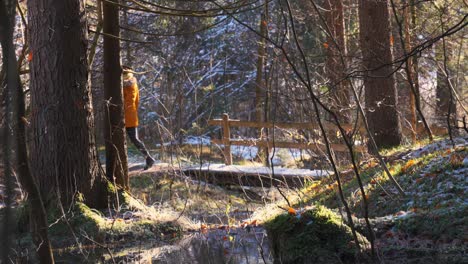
pixel 227 140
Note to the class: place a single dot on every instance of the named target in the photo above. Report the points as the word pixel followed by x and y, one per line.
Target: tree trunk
pixel 379 81
pixel 37 213
pixel 127 45
pixel 445 104
pixel 6 35
pixel 411 75
pixel 260 92
pixel 259 84
pixel 38 218
pixel 63 153
pixel 116 148
pixel 97 35
pixel 334 68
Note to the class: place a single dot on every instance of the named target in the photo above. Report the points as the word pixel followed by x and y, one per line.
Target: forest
pixel 233 131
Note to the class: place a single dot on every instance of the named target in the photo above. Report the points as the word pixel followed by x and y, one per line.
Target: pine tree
pixel 379 81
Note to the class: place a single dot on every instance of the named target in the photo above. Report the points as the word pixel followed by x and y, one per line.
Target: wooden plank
pixel 437 130
pixel 250 179
pixel 226 140
pixel 281 144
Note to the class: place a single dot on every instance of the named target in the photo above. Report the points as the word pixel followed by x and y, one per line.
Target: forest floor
pixel 428 222
pixel 222 223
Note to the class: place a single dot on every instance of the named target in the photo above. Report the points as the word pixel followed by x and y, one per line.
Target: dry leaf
pixel 408 165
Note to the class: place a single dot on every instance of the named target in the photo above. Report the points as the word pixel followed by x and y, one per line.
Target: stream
pixel 238 246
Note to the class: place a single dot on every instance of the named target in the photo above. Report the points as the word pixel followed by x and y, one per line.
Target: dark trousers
pixel 132 133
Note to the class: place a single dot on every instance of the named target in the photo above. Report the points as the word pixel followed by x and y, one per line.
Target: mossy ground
pixel 126 221
pixel 317 235
pixel 165 204
pixel 432 216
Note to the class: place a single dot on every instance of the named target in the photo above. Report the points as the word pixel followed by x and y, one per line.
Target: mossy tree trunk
pixel 64 159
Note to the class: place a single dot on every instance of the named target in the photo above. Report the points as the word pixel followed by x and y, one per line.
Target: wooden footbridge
pixel 228 174
pixel 221 174
pixel 313 144
pixel 266 176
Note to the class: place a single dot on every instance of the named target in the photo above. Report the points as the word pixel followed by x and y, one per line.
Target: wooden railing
pixel 227 141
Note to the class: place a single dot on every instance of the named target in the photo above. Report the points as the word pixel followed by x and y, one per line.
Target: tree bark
pixel 63 153
pixel 6 35
pixel 411 75
pixel 334 68
pixel 95 42
pixel 259 84
pixel 260 92
pixel 379 81
pixel 445 105
pixel 116 148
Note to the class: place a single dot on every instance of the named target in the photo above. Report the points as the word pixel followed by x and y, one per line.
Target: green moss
pixel 317 236
pixel 111 188
pixel 117 196
pixel 81 218
pixel 84 221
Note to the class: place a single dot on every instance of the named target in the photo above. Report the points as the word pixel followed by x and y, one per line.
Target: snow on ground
pixel 197 140
pixel 263 170
pixel 244 152
pixel 438 145
pixel 440 186
pixel 436 185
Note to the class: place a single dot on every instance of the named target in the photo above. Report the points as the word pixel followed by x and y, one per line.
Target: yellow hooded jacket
pixel 131 101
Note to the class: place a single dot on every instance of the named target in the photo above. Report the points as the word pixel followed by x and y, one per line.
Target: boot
pixel 149 162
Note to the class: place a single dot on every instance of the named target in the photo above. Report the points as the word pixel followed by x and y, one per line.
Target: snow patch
pixel 436 146
pixel 263 170
pixel 197 140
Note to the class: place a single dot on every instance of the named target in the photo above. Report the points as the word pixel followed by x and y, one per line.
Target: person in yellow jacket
pixel 131 101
